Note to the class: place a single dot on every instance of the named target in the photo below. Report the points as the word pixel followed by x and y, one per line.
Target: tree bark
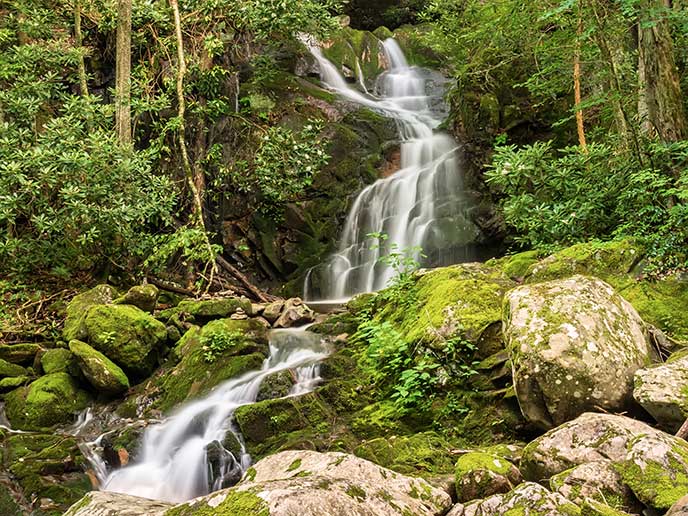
pixel 123 73
pixel 78 40
pixel 660 103
pixel 580 124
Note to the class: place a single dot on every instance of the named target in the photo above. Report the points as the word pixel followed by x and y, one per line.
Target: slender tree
pixel 79 41
pixel 577 82
pixel 123 73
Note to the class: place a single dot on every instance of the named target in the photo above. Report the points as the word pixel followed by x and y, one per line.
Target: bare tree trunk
pixel 83 85
pixel 123 73
pixel 577 84
pixel 660 99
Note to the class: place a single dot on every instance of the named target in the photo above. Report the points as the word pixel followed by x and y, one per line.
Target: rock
pixel 126 335
pixel 661 390
pixel 276 385
pixel 58 360
pixel 225 470
pixel 528 498
pixel 79 306
pixel 479 475
pixel 656 469
pixel 295 313
pixel 103 503
pixel 144 297
pixel 592 507
pixel 273 310
pixel 9 384
pixel 574 345
pixel 314 484
pixel 207 309
pixel 19 353
pixel 52 399
pixel 9 369
pixel 680 508
pixel 106 376
pixel 597 480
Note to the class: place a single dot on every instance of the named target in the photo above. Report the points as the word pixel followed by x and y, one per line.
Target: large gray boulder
pixel 662 391
pixel 102 503
pixel 574 345
pixel 528 499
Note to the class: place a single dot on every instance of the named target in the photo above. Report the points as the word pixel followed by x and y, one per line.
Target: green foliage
pixel 186 246
pixel 555 198
pixel 218 342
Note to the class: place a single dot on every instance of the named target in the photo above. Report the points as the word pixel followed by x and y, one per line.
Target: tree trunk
pixel 123 73
pixel 660 103
pixel 577 85
pixel 78 40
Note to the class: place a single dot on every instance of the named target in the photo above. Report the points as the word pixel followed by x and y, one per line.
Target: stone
pixel 8 369
pixel 101 372
pixel 79 306
pixel 127 335
pixel 680 508
pixel 144 297
pixel 103 503
pixel 19 353
pixel 9 384
pixel 52 399
pixel 310 483
pixel 574 345
pixel 592 507
pixel 58 360
pixel 599 481
pixel 295 313
pixel 480 474
pixel 204 310
pixel 276 385
pixel 273 310
pixel 528 498
pixel 662 390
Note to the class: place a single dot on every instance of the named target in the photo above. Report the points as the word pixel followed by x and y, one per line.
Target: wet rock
pixel 103 374
pixel 225 470
pixel 103 503
pixel 574 345
pixel 144 297
pixel 127 335
pixel 273 310
pixel 479 475
pixel 294 313
pixel 52 399
pixel 79 306
pixel 313 484
pixel 661 390
pixel 276 385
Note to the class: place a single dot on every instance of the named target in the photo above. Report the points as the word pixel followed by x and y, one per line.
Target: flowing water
pixel 174 462
pixel 421 206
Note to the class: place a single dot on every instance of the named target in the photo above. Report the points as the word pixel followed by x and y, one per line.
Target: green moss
pixel 8 369
pixel 251 473
pixel 19 353
pixel 356 493
pixel 516 266
pixel 595 508
pixel 106 376
pixel 78 308
pixel 294 465
pixel 50 400
pixel 8 505
pixel 473 461
pixel 58 360
pixel 207 309
pixel 144 297
pixel 235 503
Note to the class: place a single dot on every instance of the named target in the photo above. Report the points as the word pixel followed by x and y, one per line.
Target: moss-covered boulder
pixel 480 474
pixel 11 383
pixel 574 345
pixel 101 372
pixel 205 310
pixel 48 467
pixel 276 385
pixel 23 354
pixel 599 481
pixel 79 306
pixel 52 399
pixel 126 335
pixel 104 503
pixel 592 507
pixel 359 55
pixel 528 498
pixel 8 369
pixel 58 360
pixel 144 297
pixel 680 508
pixel 662 390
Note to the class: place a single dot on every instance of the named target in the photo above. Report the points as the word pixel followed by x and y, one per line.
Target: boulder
pixel 207 309
pixel 574 345
pixel 58 360
pixel 8 369
pixel 79 306
pixel 480 474
pixel 144 297
pixel 276 385
pixel 662 389
pixel 126 335
pixel 295 313
pixel 528 498
pixel 592 507
pixel 19 353
pixel 309 483
pixel 101 372
pixel 103 503
pixel 273 310
pixel 52 399
pixel 680 508
pixel 596 480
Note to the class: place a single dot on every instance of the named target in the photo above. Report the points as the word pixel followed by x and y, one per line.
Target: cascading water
pixel 421 206
pixel 174 465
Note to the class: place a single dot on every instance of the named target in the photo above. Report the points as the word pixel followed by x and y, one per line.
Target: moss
pixel 9 384
pixel 250 474
pixel 473 461
pixel 294 465
pixel 58 360
pixel 235 503
pixel 8 505
pixel 19 353
pixel 106 376
pixel 8 369
pixel 595 508
pixel 48 401
pixel 126 335
pixel 144 297
pixel 207 309
pixel 356 493
pixel 516 266
pixel 78 308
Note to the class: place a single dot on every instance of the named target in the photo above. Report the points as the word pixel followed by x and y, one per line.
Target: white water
pixel 173 462
pixel 420 206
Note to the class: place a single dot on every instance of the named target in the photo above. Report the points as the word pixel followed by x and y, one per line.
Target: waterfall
pixel 421 206
pixel 174 464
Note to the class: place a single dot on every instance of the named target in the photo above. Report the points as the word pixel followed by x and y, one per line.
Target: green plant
pixel 219 342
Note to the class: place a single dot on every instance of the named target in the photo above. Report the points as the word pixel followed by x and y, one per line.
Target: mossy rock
pixel 595 508
pixel 276 385
pixel 8 369
pixel 101 372
pixel 516 266
pixel 51 400
pixel 356 53
pixel 126 335
pixel 9 384
pixel 79 306
pixel 59 360
pixel 207 309
pixel 19 353
pixel 229 503
pixel 144 297
pixel 425 454
pixel 479 475
pixel 413 40
pixel 197 371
